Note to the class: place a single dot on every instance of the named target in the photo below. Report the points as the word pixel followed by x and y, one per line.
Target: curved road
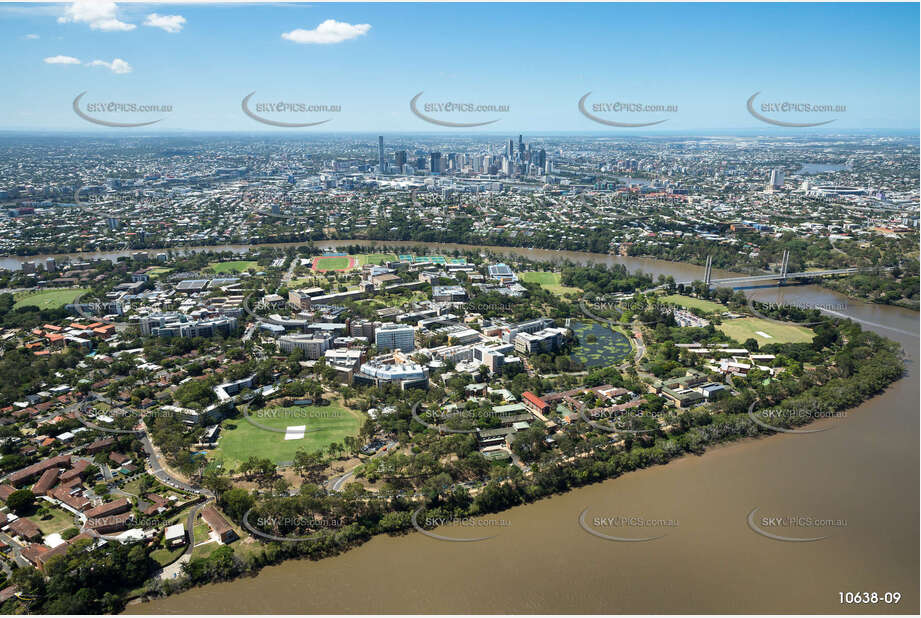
pixel 174 569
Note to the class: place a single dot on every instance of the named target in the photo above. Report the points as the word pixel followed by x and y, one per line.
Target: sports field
pixel 341 262
pixel 237 266
pixel 157 272
pixel 375 258
pixel 693 303
pixel 431 259
pixel 549 281
pixel 246 439
pixel 323 263
pixel 48 299
pixel 765 331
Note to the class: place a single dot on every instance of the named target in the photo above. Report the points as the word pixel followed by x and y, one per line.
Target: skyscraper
pixel 776 181
pixel 380 151
pixel 401 159
pixel 435 166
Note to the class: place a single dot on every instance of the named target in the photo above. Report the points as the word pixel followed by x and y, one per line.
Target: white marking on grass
pixel 761 333
pixel 295 432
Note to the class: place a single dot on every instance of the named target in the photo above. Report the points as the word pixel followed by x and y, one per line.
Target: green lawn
pixel 203 551
pixel 749 328
pixel 134 488
pixel 237 266
pixel 337 262
pixel 693 303
pixel 201 530
pixel 374 258
pixel 549 281
pixel 58 521
pixel 245 439
pixel 159 270
pixel 164 556
pixel 302 282
pixel 48 299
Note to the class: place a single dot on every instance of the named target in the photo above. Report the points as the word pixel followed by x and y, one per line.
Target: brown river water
pixel 861 472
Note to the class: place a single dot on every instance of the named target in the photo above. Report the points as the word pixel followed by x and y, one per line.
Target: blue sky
pixel 538 59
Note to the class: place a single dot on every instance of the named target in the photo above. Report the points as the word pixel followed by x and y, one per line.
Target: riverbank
pixel 863 468
pixel 709 560
pixel 11 262
pixel 604 462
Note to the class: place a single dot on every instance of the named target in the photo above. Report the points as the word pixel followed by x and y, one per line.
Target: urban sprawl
pixel 219 353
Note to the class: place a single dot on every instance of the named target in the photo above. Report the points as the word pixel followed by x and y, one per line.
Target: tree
pixel 21 501
pixel 236 502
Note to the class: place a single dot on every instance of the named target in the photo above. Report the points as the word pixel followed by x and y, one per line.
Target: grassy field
pixel 48 299
pixel 302 282
pixel 158 271
pixel 244 439
pixel 164 556
pixel 374 258
pixel 58 521
pixel 748 328
pixel 393 301
pixel 201 530
pixel 693 303
pixel 338 262
pixel 549 281
pixel 238 266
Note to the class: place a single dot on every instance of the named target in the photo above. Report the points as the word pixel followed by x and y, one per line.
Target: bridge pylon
pixel 708 271
pixel 784 262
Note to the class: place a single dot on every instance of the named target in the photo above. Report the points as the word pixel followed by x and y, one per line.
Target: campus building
pixel 395 337
pixel 313 346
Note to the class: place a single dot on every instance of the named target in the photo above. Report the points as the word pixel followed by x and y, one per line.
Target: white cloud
pixel 31 36
pixel 62 60
pixel 116 66
pixel 330 31
pixel 170 23
pixel 99 14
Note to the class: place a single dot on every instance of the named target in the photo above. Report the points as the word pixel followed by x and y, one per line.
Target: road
pixel 640 346
pixel 15 551
pixel 289 274
pixel 156 468
pixel 336 485
pixel 175 569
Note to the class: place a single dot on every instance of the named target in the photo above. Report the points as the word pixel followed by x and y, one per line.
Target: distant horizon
pixel 751 132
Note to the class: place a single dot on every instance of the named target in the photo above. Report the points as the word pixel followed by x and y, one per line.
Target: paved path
pixel 337 484
pixel 175 569
pixel 157 469
pixel 640 346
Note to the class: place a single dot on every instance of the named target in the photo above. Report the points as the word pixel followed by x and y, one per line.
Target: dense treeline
pixel 82 582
